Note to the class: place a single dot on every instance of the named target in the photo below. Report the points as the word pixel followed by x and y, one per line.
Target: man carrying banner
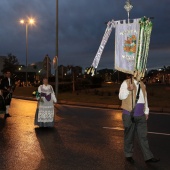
pixel 132 39
pixel 135 115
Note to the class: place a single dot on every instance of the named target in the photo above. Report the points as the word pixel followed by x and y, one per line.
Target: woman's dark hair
pixel 44 78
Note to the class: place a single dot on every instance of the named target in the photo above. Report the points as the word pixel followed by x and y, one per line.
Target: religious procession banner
pixel 132 41
pixel 126 43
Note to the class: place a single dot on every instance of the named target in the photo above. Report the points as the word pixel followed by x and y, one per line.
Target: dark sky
pixel 81 28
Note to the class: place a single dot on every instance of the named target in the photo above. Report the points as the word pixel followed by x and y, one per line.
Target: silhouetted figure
pixel 7 86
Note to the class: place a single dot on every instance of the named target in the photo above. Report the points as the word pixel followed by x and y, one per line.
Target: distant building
pixel 77 71
pixel 68 71
pixel 40 70
pixel 20 73
pixel 47 65
pixel 106 74
pixel 62 71
pixel 35 71
pixel 160 75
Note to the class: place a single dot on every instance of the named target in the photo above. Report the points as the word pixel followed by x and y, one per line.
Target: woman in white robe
pixel 44 116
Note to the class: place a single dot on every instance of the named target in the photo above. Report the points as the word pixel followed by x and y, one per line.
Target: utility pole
pixel 56 67
pixel 47 65
pixel 73 73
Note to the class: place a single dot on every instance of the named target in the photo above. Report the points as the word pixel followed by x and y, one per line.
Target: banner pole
pixel 128 7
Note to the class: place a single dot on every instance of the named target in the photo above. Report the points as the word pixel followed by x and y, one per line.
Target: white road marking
pixel 114 128
pixel 156 113
pixel 122 129
pixel 156 133
pixel 119 110
pixel 96 108
pixel 90 107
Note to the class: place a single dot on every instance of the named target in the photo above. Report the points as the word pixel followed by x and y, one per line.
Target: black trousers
pixel 2 104
pixel 7 97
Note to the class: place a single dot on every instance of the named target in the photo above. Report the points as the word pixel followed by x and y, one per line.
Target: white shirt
pixel 48 89
pixel 124 92
pixel 9 80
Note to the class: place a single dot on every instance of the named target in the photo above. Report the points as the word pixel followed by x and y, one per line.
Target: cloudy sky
pixel 81 28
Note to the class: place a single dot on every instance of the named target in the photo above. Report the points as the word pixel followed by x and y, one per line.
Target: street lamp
pixel 56 67
pixel 29 21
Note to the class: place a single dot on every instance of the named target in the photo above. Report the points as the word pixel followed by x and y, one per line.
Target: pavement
pixel 152 109
pixel 84 138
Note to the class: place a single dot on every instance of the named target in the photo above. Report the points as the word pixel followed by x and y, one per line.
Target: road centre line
pixel 122 129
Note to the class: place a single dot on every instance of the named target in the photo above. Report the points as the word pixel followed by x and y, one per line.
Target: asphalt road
pixel 83 139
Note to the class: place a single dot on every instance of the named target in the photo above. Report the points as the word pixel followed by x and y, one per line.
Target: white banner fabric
pixel 106 36
pixel 126 43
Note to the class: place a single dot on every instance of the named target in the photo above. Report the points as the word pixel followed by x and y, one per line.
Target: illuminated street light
pixel 29 21
pixel 22 21
pixel 39 71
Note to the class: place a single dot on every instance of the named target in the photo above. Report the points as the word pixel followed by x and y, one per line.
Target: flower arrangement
pixel 38 96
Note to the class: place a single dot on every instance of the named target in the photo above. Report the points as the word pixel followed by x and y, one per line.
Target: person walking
pixel 44 116
pixel 135 116
pixel 7 87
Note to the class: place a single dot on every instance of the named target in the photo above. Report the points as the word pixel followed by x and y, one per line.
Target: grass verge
pixel 158 95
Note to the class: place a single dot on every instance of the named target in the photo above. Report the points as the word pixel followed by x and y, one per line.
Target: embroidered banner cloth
pixel 126 43
pixel 106 36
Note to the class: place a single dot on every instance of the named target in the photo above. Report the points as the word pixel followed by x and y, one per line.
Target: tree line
pixel 10 62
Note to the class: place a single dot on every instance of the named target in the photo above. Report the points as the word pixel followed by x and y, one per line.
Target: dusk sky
pixel 81 28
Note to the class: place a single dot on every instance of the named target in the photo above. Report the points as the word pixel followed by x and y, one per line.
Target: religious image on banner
pixel 126 43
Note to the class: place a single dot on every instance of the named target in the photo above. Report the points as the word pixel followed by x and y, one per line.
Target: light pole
pixel 29 21
pixel 56 67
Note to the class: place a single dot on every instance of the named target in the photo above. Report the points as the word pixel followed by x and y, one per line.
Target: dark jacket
pixel 5 84
pixel 7 89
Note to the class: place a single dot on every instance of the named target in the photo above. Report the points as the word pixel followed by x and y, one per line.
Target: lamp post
pixel 56 66
pixel 29 21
